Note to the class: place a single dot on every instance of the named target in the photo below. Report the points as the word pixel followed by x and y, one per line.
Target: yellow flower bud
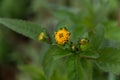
pixel 83 41
pixel 83 44
pixel 41 36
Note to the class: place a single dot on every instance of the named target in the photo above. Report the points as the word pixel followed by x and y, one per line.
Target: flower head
pixel 41 36
pixel 62 36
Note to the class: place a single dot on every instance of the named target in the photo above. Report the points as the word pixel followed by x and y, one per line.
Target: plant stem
pixel 111 76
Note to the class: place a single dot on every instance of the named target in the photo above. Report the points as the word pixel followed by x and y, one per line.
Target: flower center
pixel 61 35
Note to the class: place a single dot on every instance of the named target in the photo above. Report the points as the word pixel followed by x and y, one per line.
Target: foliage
pixel 73 58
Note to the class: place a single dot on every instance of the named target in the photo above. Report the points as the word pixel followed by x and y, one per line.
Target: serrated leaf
pixel 34 72
pixel 25 28
pixel 109 60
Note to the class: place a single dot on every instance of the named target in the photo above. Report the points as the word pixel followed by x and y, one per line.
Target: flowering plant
pixel 81 41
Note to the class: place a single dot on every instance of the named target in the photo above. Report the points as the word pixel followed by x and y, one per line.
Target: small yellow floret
pixel 41 36
pixel 62 36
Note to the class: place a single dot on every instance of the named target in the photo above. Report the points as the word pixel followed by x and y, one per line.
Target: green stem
pixel 76 66
pixel 111 76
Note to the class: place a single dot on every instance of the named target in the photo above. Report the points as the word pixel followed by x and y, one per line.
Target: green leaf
pixel 65 23
pixel 90 54
pixel 60 53
pixel 109 60
pixel 96 37
pixel 112 31
pixel 109 44
pixel 102 7
pixel 51 62
pixel 25 28
pixel 48 62
pixel 98 74
pixel 74 69
pixel 79 69
pixel 88 70
pixel 57 76
pixel 78 31
pixel 64 12
pixel 34 72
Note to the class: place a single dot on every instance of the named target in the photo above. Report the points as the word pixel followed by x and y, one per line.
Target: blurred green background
pixel 18 53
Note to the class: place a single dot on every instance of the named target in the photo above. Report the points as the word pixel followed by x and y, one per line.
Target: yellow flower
pixel 62 36
pixel 41 36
